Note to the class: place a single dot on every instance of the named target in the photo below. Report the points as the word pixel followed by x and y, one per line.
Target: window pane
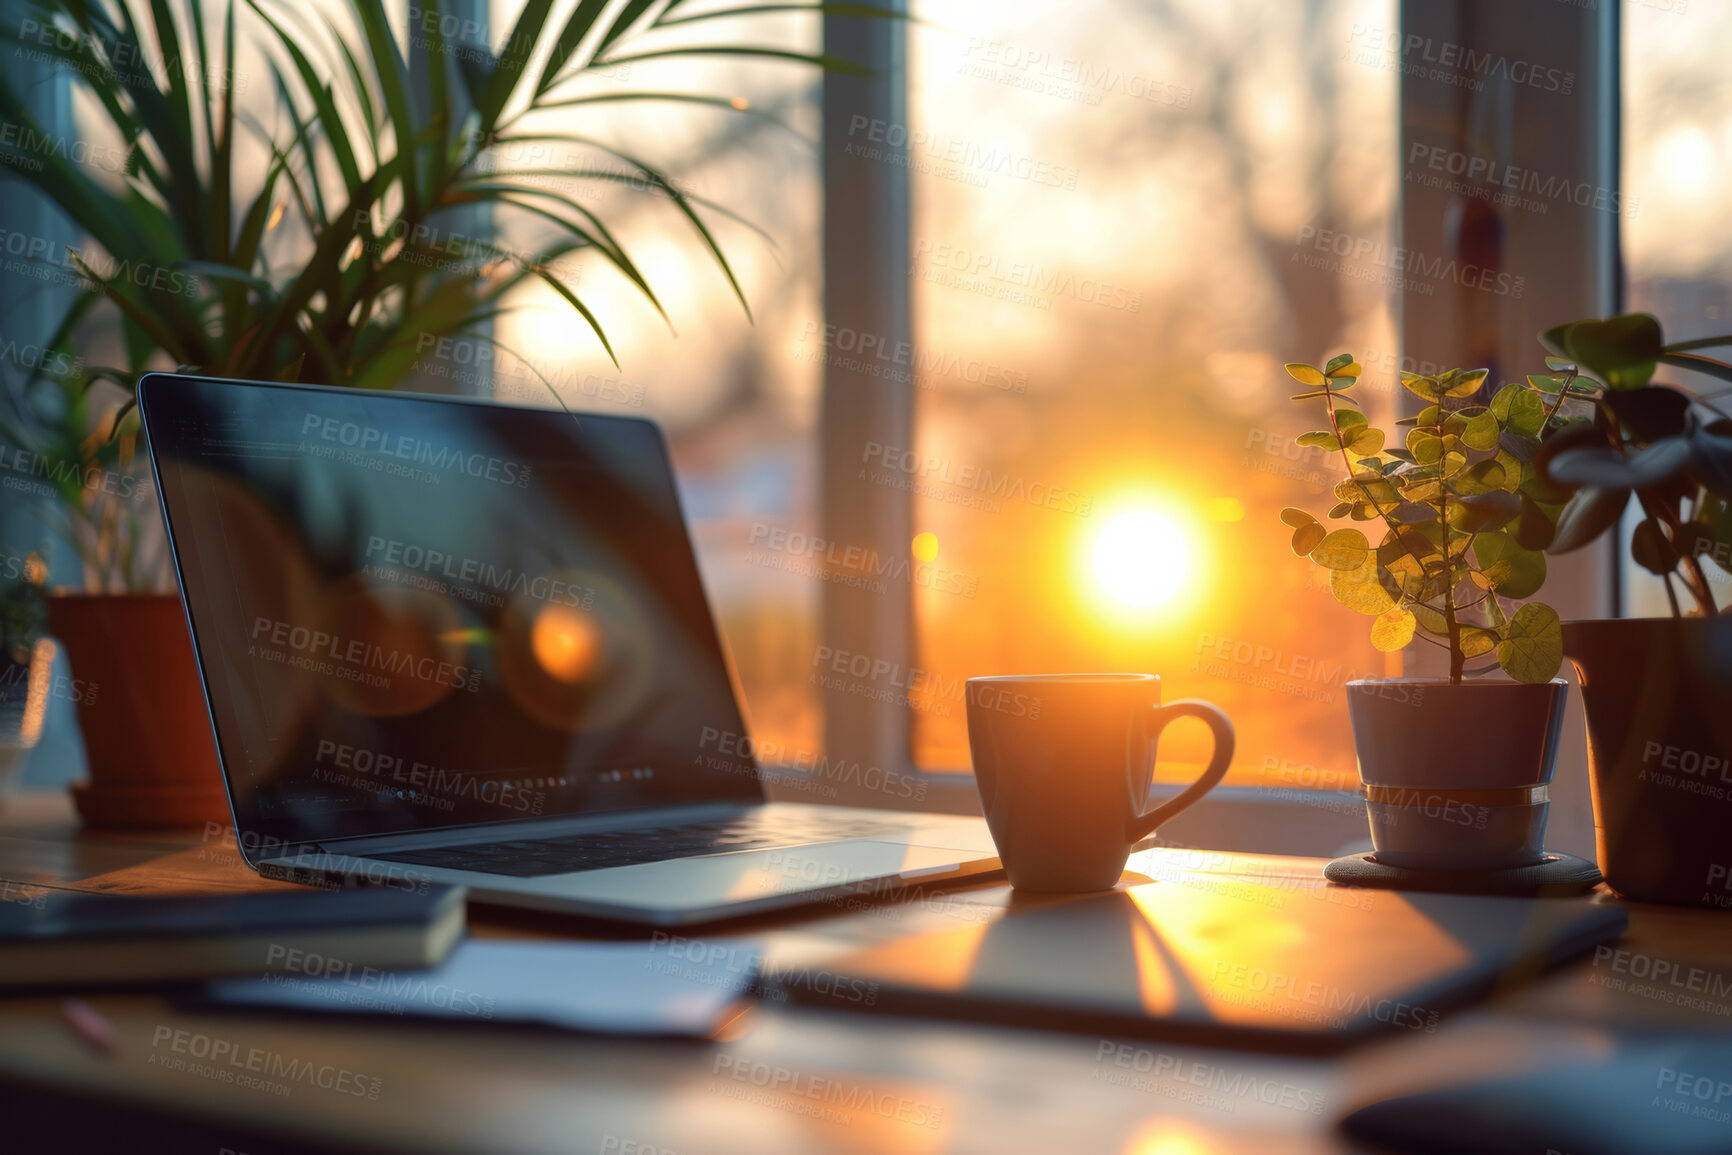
pixel 738 410
pixel 1678 233
pixel 1127 218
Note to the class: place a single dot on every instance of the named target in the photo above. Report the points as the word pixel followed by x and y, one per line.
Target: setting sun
pixel 1141 558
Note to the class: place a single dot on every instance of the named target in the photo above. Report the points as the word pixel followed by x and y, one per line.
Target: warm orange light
pixel 565 642
pixel 1141 558
pixel 1224 509
pixel 925 546
pixel 740 103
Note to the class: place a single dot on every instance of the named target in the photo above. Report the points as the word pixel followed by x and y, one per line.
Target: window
pixel 1126 219
pixel 736 395
pixel 1678 238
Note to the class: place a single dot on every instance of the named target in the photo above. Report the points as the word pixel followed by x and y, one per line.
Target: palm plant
pixel 338 258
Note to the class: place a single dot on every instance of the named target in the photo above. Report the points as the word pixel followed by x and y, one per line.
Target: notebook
pixel 1219 960
pixel 92 939
pixel 599 988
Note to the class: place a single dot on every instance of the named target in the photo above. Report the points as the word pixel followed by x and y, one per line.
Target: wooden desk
pixel 927 1087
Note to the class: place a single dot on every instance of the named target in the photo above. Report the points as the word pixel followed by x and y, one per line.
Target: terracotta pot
pixel 1658 695
pixel 1456 776
pixel 147 735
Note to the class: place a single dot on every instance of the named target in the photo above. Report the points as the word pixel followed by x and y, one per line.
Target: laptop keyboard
pixel 597 850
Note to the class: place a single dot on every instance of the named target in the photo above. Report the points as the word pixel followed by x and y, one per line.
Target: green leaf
pixel 1481 432
pixel 1461 382
pixel 1483 512
pixel 1589 512
pixel 1480 477
pixel 1512 571
pixel 1560 364
pixel 1368 489
pixel 1700 364
pixel 1297 518
pixel 1423 386
pixel 1392 630
pixel 1341 509
pixel 829 62
pixel 1650 414
pixel 1476 640
pixel 1364 441
pixel 1652 549
pixel 1659 462
pixel 1342 549
pixel 1361 589
pixel 1621 350
pixel 1534 529
pixel 1307 538
pixel 1427 448
pixel 1337 363
pixel 1519 410
pixel 1532 648
pixel 583 18
pixel 1305 374
pixel 1318 437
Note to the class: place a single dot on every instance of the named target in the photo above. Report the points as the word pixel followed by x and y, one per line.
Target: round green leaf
pixel 1304 374
pixel 1651 548
pixel 1341 365
pixel 1476 640
pixel 1342 549
pixel 1307 538
pixel 1361 590
pixel 1297 518
pixel 1427 448
pixel 1519 409
pixel 1480 477
pixel 1317 437
pixel 1481 432
pixel 1364 442
pixel 1621 351
pixel 1514 572
pixel 1392 629
pixel 1533 644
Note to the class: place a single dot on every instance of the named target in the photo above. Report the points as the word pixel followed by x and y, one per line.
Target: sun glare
pixel 1141 558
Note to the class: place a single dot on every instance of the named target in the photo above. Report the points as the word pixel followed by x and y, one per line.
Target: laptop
pixel 451 641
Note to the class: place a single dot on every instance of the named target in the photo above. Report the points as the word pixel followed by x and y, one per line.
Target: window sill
pixel 1258 819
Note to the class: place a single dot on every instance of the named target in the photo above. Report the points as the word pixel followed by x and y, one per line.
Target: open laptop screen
pixel 414 612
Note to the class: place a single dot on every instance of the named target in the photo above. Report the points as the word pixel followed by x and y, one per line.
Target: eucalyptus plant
pixel 1460 517
pixel 1669 446
pixel 343 255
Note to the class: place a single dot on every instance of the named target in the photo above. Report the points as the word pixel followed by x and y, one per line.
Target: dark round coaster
pixel 1558 876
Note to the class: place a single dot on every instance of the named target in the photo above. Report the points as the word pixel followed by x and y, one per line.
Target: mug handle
pixel 1143 825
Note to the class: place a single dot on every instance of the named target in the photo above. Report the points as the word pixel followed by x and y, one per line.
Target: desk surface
pixel 814 1081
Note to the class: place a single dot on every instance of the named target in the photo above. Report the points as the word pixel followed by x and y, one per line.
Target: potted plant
pixel 1455 769
pixel 1657 691
pixel 338 247
pixel 25 658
